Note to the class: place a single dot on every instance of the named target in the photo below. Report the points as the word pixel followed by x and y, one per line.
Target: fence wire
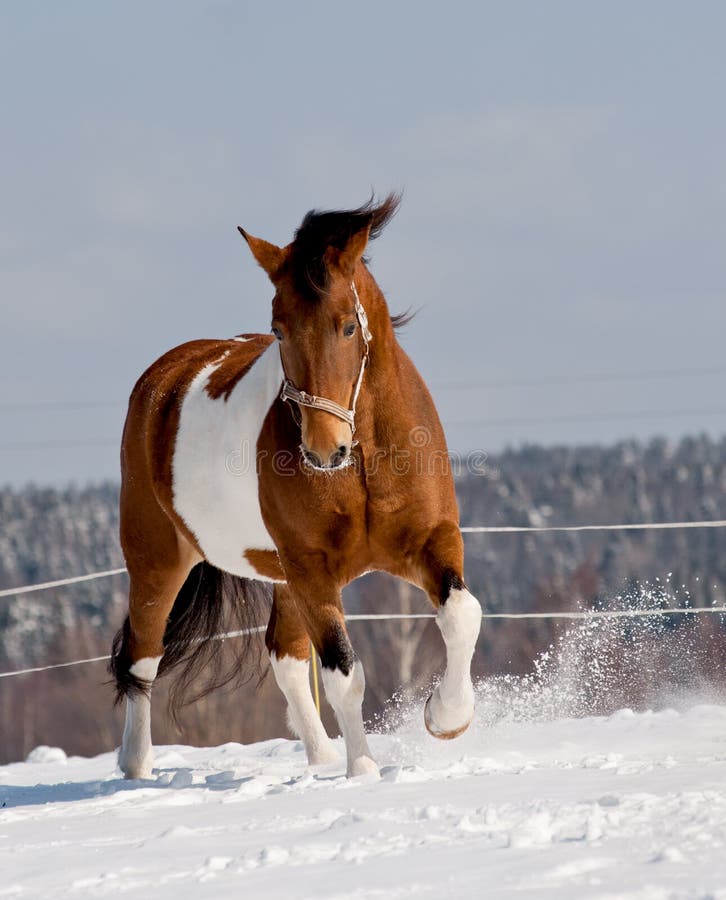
pixel 376 617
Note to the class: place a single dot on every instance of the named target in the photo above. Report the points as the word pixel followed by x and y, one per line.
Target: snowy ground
pixel 630 805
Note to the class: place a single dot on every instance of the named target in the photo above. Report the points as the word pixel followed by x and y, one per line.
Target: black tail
pixel 210 604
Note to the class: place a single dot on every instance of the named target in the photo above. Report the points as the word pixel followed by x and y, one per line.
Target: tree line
pixel 49 533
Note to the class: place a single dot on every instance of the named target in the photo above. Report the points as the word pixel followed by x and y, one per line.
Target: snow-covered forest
pixel 48 534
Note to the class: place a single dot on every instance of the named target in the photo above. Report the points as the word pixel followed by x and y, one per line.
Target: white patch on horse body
pixel 215 484
pixel 136 756
pixel 451 706
pixel 293 679
pixel 345 695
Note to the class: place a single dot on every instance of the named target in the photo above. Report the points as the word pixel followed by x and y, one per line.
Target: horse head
pixel 321 323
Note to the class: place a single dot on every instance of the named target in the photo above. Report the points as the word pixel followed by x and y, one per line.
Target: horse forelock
pixel 320 230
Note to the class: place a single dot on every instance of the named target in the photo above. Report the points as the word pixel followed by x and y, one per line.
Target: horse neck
pixel 382 404
pixel 379 318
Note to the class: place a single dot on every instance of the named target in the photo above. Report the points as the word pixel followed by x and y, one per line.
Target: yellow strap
pixel 316 689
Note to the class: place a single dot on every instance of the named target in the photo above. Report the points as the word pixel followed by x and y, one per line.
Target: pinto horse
pixel 330 413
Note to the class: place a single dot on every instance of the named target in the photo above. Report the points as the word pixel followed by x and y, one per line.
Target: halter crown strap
pixel 290 392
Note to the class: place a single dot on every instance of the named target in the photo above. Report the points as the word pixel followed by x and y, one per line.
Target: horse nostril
pixel 339 457
pixel 312 457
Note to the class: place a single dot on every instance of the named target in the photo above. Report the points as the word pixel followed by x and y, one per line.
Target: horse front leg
pixel 319 602
pixel 289 647
pixel 450 708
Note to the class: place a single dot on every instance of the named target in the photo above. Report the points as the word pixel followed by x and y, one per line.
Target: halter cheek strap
pixel 290 392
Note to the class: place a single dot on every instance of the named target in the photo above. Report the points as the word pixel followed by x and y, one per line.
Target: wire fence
pixel 61 582
pixel 376 617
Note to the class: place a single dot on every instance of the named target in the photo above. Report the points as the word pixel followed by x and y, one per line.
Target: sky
pixel 562 233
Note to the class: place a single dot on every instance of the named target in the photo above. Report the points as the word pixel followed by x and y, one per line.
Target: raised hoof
pixel 442 734
pixel 364 765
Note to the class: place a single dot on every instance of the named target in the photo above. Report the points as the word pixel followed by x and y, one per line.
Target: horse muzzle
pixel 339 458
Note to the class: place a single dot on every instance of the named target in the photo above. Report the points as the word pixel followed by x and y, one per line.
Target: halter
pixel 290 392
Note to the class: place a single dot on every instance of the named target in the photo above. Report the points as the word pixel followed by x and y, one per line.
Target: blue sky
pixel 562 231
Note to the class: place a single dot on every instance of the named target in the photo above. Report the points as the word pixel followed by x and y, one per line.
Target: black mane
pixel 334 228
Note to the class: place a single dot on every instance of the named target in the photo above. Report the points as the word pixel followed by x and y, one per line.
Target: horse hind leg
pixel 137 652
pixel 450 708
pixel 289 648
pixel 136 757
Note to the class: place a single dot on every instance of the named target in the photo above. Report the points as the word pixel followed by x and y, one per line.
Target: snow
pixel 627 805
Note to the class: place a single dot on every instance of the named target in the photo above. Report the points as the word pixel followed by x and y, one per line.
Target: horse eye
pixel 349 329
pixel 277 333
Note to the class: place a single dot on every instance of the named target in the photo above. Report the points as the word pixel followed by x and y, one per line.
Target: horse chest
pixel 214 466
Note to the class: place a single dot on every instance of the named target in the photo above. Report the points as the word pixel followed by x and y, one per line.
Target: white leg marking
pixel 136 757
pixel 345 694
pixel 293 679
pixel 450 708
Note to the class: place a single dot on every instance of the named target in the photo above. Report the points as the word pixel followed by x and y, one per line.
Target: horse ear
pixel 269 256
pixel 348 256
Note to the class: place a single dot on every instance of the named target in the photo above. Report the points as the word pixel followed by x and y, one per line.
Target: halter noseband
pixel 290 392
